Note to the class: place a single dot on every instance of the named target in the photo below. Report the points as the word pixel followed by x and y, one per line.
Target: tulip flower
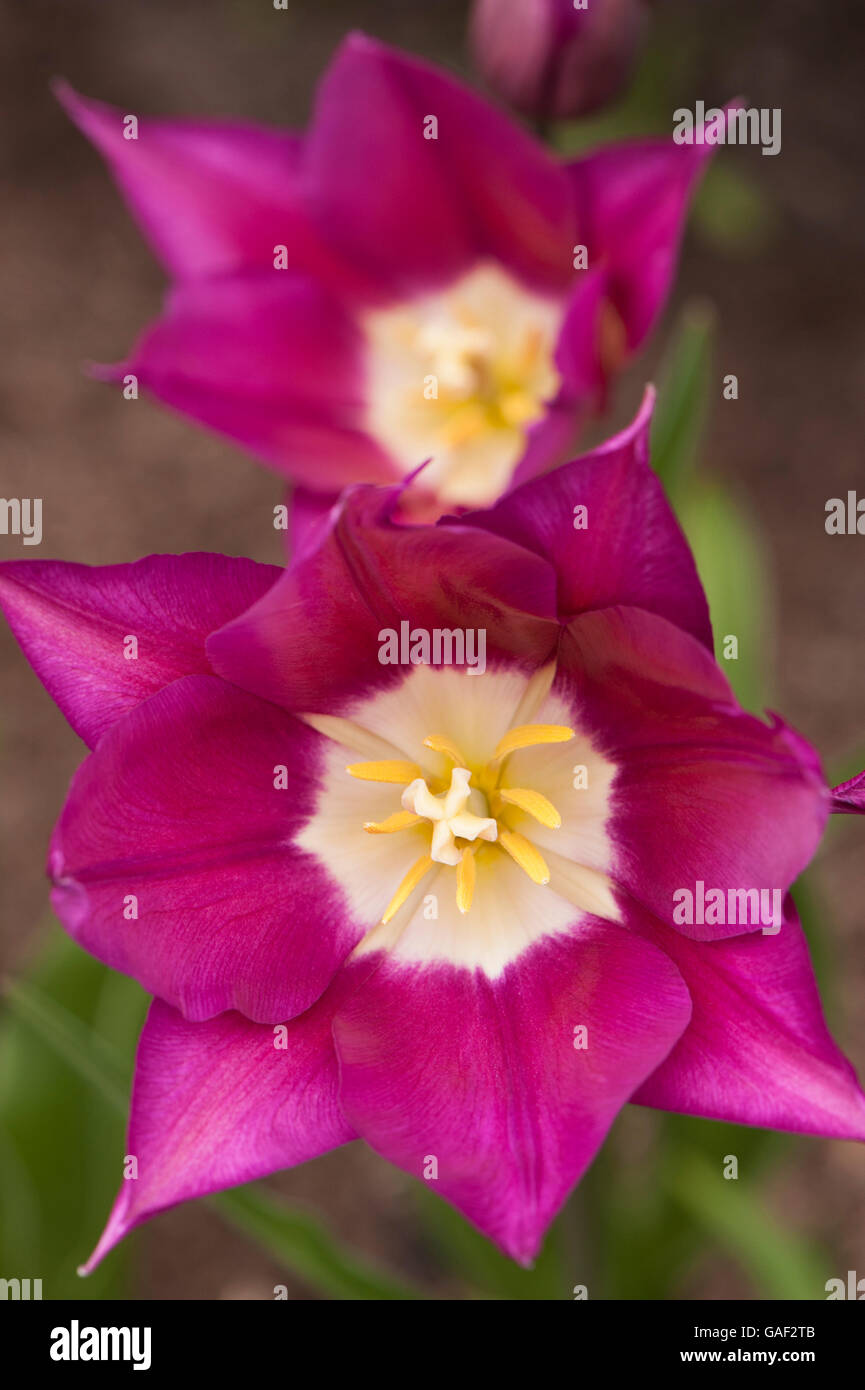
pixel 414 279
pixel 558 58
pixel 389 895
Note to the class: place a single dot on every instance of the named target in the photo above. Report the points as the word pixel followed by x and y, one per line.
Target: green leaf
pixel 482 1265
pixel 733 213
pixel 299 1241
pixel 293 1236
pixel 75 1044
pixel 683 399
pixel 60 1134
pixel 780 1264
pixel 735 576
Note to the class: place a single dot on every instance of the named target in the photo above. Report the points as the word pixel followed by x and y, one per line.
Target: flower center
pixel 474 808
pixel 449 814
pixel 459 376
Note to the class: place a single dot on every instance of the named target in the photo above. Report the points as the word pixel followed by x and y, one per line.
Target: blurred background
pixel 771 288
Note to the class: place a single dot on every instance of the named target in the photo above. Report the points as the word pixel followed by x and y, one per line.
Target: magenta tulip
pixel 403 840
pixel 414 279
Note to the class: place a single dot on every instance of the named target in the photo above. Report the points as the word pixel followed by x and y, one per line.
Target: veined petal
pixel 223 1102
pixel 271 360
pixel 417 209
pixel 213 196
pixel 757 1050
pixel 848 799
pixel 103 639
pixel 608 529
pixel 631 202
pixel 706 797
pixel 174 859
pixel 366 578
pixel 488 1095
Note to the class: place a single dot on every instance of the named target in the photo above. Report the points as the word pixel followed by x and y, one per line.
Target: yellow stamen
pixel 400 820
pixel 466 423
pixel 407 887
pixel 535 803
pixel 465 880
pixel 528 735
pixel 523 852
pixel 388 770
pixel 518 408
pixel 440 744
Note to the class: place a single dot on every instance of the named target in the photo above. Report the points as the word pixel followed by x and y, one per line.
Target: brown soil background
pixel 121 480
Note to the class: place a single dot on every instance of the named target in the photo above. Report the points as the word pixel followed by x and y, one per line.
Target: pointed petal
pixel 704 792
pixel 368 576
pixel 632 200
pixel 270 360
pixel 757 1050
pixel 74 623
pixel 414 210
pixel 488 1081
pixel 211 197
pixel 220 1103
pixel 848 799
pixel 173 859
pixel 630 548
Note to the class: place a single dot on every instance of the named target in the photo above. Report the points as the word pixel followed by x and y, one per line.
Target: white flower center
pixel 519 793
pixel 458 377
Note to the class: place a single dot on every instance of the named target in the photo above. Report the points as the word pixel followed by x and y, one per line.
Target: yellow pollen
pixel 388 770
pixel 529 735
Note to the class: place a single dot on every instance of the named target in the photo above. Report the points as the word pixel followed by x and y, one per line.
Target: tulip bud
pixel 557 58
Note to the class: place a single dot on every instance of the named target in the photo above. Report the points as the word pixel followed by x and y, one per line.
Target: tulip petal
pixel 368 576
pixel 705 793
pixel 757 1050
pixel 848 799
pixel 629 547
pixel 487 1093
pixel 272 361
pixel 631 202
pixel 416 209
pixel 224 1102
pixel 74 623
pixel 212 197
pixel 173 859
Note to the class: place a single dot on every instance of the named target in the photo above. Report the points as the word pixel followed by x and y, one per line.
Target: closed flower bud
pixel 550 58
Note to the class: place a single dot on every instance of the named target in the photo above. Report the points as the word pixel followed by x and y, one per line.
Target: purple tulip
pixel 554 59
pixel 434 906
pixel 414 279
